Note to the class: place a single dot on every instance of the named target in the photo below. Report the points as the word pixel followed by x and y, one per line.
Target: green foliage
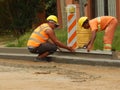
pixel 51 7
pixel 21 42
pixel 98 44
pixel 116 41
pixel 61 35
pixel 18 15
pixel 4 39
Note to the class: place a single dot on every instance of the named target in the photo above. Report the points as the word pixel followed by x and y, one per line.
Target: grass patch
pixel 4 39
pixel 22 41
pixel 116 41
pixel 98 44
pixel 62 36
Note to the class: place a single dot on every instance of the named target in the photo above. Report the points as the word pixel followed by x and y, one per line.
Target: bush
pixel 21 42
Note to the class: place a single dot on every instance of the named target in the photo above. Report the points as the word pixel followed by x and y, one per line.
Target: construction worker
pixel 43 40
pixel 107 23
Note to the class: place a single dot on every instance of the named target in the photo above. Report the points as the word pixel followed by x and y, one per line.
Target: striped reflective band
pixel 34 39
pixel 107 47
pixel 38 33
pixel 99 21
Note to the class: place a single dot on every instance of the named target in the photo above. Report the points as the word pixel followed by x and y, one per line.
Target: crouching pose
pixel 43 40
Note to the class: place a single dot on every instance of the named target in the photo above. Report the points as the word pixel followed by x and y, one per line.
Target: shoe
pixel 48 59
pixel 37 59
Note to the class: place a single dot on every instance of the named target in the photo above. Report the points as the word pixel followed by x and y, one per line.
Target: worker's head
pixel 84 22
pixel 53 20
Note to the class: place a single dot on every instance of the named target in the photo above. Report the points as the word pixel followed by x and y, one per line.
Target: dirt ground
pixel 29 75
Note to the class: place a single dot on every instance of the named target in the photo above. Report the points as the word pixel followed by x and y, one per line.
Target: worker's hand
pixel 71 49
pixel 89 47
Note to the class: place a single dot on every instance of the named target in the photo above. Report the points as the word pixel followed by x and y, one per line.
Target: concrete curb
pixel 79 57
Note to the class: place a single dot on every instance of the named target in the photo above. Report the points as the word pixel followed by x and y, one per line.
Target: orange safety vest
pixel 99 21
pixel 39 36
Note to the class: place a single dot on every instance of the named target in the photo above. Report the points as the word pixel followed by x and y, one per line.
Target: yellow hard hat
pixel 53 18
pixel 82 20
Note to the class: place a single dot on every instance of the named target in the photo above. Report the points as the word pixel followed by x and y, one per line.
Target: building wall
pixel 113 8
pixel 97 5
pixel 103 7
pixel 118 10
pixel 68 2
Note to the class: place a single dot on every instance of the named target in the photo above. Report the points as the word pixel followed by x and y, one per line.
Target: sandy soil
pixel 29 75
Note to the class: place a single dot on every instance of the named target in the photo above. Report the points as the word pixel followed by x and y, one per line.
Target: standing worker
pixel 107 23
pixel 43 40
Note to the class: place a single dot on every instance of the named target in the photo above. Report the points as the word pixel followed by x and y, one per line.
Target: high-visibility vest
pixel 39 36
pixel 99 21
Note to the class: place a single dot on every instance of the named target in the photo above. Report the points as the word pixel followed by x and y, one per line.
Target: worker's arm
pixel 53 37
pixel 90 44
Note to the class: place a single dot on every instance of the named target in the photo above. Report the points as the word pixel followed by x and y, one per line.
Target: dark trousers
pixel 44 47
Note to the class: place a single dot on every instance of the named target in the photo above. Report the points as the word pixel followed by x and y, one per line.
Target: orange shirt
pixel 104 21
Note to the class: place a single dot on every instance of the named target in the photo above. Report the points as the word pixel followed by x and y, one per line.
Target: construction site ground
pixel 29 75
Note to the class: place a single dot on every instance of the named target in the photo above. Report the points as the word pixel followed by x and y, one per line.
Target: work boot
pixel 38 59
pixel 48 59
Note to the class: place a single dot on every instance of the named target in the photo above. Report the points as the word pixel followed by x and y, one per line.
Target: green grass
pixel 4 39
pixel 62 36
pixel 116 41
pixel 98 44
pixel 22 41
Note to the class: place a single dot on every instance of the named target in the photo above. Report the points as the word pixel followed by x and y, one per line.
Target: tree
pixel 18 15
pixel 51 7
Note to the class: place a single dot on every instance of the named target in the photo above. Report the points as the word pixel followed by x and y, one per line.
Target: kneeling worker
pixel 107 23
pixel 43 40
